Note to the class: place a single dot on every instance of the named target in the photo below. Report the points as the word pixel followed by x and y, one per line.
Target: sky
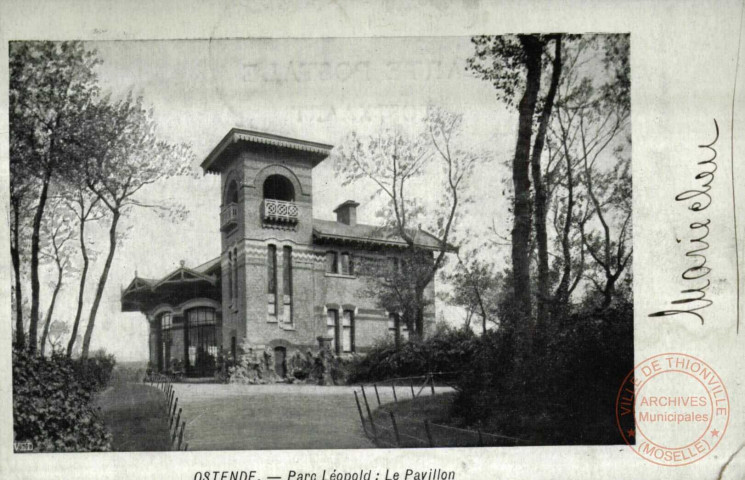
pixel 312 89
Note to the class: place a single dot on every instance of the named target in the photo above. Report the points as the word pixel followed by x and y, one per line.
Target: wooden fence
pixel 390 429
pixel 176 426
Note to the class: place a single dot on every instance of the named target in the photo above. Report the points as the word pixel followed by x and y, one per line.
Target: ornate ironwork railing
pixel 229 216
pixel 280 211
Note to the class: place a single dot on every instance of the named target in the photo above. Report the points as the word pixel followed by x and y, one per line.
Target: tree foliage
pixel 395 161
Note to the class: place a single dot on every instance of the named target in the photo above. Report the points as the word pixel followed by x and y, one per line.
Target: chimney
pixel 346 213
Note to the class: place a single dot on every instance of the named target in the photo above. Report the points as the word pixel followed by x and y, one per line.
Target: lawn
pixel 507 428
pixel 410 416
pixel 135 414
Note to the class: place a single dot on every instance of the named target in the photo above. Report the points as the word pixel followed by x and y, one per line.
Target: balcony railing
pixel 280 211
pixel 229 217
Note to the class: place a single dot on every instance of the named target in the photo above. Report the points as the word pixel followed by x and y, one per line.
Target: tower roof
pixel 315 152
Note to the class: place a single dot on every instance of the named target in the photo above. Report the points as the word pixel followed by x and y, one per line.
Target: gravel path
pixel 277 416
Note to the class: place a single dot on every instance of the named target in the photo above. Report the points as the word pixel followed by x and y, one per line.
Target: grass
pixel 410 416
pixel 136 416
pixel 506 428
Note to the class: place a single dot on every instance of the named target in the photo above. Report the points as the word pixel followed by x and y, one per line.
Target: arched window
pixel 231 193
pixel 278 187
pixel 202 338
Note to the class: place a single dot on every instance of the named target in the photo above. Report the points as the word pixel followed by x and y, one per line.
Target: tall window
pixel 331 263
pixel 348 331
pixel 397 328
pixel 346 264
pixel 166 323
pixel 271 262
pixel 332 329
pixel 287 282
pixel 235 273
pixel 202 339
pixel 230 276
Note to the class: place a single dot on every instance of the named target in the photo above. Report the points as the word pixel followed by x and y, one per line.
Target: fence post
pixel 393 387
pixel 395 429
pixel 432 382
pixel 369 414
pixel 429 433
pixel 411 384
pixel 173 414
pixel 359 409
pixel 481 439
pixel 178 418
pixel 181 435
pixel 376 392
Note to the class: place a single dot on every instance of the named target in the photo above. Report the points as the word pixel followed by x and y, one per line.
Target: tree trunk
pixel 81 290
pixel 101 286
pixel 15 254
pixel 609 291
pixel 34 320
pixel 561 297
pixel 543 295
pixel 419 319
pixel 532 48
pixel 48 319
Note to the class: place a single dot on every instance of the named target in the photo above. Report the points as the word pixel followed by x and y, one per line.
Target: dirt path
pixel 258 417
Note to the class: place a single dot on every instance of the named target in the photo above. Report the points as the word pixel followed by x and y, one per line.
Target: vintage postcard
pixel 362 241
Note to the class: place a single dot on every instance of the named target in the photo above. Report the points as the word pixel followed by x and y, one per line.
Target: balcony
pixel 279 211
pixel 229 217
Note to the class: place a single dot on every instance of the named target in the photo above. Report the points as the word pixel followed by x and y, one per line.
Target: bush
pixel 564 393
pixel 448 350
pixel 53 408
pixel 94 372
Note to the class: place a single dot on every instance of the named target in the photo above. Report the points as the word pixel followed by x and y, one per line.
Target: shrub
pixel 53 408
pixel 570 385
pixel 448 350
pixel 94 372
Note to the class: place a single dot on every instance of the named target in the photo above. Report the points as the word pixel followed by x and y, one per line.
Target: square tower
pixel 265 221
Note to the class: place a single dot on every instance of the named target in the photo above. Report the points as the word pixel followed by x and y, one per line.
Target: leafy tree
pixel 515 64
pixel 59 231
pixel 476 288
pixel 127 157
pixel 86 208
pixel 51 83
pixel 394 161
pixel 592 118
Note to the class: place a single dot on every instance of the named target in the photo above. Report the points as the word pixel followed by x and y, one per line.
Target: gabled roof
pixel 213 163
pixel 330 231
pixel 205 272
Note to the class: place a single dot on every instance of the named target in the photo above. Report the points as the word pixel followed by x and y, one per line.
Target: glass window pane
pixel 345 264
pixel 392 322
pixel 271 269
pixel 347 318
pixel 347 340
pixel 331 266
pixel 331 318
pixel 287 270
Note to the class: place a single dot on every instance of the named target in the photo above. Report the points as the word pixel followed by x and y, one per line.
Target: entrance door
pixel 280 368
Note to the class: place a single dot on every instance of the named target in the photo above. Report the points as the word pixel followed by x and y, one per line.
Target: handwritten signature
pixel 698 200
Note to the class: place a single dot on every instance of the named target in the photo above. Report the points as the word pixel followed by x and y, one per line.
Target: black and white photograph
pixel 372 240
pixel 320 243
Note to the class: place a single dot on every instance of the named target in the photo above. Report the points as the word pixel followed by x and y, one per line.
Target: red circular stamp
pixel 672 409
